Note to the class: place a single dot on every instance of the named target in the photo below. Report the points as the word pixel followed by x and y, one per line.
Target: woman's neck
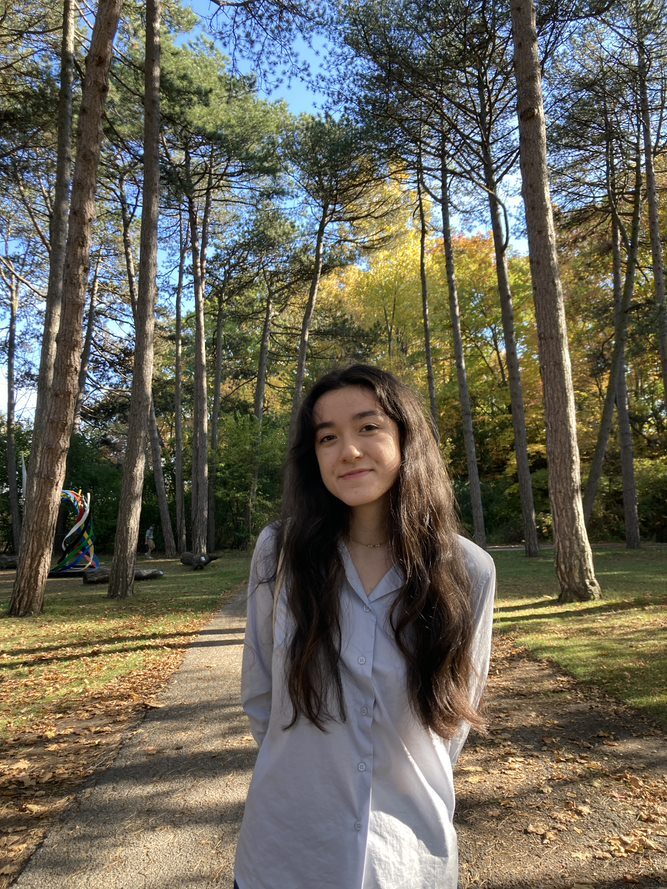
pixel 369 525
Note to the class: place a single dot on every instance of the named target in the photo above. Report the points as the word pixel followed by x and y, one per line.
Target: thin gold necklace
pixel 369 545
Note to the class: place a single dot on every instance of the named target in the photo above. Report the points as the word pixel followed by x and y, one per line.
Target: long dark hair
pixel 432 615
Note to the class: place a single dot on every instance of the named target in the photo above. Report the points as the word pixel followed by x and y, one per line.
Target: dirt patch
pixel 567 791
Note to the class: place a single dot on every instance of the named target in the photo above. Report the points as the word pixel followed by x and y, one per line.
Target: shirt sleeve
pixel 483 573
pixel 258 646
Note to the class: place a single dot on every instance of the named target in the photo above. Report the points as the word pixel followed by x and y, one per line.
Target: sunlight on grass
pixel 84 642
pixel 618 643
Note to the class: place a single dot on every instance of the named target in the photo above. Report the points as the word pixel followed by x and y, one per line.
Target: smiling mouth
pixel 355 474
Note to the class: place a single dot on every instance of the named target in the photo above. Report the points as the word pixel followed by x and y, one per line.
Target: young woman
pixel 367 647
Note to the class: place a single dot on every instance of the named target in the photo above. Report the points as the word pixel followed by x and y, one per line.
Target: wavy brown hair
pixel 432 615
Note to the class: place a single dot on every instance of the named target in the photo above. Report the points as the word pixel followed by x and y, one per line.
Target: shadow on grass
pixel 569 610
pixel 117 640
pixel 97 651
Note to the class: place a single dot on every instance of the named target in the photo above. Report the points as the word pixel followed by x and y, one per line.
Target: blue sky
pixel 297 95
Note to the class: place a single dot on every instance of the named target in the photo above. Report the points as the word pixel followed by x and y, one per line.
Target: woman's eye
pixel 325 439
pixel 369 427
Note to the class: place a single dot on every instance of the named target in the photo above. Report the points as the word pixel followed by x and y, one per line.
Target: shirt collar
pixel 390 583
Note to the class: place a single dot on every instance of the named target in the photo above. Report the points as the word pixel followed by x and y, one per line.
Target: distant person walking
pixel 149 540
pixel 366 651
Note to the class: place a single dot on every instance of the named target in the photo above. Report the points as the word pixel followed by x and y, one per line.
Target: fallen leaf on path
pixel 581 809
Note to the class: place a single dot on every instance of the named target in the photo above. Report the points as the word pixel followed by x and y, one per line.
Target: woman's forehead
pixel 347 401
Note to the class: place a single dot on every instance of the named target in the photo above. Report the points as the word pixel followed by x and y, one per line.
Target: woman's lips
pixel 355 474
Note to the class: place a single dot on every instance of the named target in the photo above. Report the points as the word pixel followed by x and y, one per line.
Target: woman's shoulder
pixel 267 536
pixel 479 563
pixel 264 554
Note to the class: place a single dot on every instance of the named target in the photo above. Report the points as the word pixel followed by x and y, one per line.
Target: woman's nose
pixel 350 450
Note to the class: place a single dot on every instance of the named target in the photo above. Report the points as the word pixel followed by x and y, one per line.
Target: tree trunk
pixel 59 222
pixel 88 342
pixel 622 300
pixel 428 356
pixel 653 210
pixel 121 579
pixel 128 253
pixel 200 406
pixel 308 313
pixel 47 470
pixel 531 544
pixel 260 390
pixel 574 559
pixel 630 510
pixel 12 483
pixel 474 487
pixel 215 420
pixel 181 537
pixel 160 488
pixel 156 448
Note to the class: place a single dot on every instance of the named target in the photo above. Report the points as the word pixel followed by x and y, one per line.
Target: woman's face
pixel 357 446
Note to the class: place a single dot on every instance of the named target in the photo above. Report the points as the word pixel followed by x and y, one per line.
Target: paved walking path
pixel 167 813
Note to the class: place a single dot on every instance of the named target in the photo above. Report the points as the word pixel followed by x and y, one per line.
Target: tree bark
pixel 622 301
pixel 215 420
pixel 88 342
pixel 59 222
pixel 531 544
pixel 428 355
pixel 260 390
pixel 479 532
pixel 653 209
pixel 181 537
pixel 200 407
pixel 12 483
pixel 47 468
pixel 574 559
pixel 156 447
pixel 128 253
pixel 309 312
pixel 160 487
pixel 121 579
pixel 630 508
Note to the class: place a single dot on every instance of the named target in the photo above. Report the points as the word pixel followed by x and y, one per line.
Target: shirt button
pixel 357 825
pixel 361 660
pixel 362 766
pixel 366 609
pixel 364 711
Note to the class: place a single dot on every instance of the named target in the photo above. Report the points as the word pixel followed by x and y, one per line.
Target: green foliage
pixel 607 522
pixel 651 479
pixel 236 463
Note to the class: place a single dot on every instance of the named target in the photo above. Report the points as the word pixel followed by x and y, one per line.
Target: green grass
pixel 85 645
pixel 618 643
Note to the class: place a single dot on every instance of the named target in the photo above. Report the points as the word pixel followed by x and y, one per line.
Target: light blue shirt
pixel 369 803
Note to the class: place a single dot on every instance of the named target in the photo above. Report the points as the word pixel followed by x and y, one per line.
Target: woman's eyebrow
pixel 328 424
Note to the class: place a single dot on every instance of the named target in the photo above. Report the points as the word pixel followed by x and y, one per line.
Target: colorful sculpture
pixel 78 545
